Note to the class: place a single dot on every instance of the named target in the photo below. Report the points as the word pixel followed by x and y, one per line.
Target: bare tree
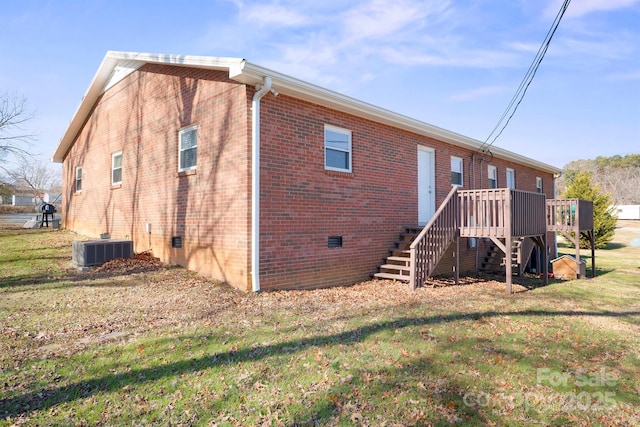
pixel 35 175
pixel 13 137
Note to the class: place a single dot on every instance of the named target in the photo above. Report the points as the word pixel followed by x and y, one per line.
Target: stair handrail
pixel 437 235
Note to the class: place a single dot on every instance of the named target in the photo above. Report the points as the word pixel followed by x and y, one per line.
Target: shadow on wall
pixel 181 203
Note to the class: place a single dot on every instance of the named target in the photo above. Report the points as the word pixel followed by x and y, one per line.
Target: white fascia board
pixel 252 74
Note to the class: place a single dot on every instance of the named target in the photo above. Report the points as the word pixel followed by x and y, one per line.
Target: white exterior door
pixel 426 182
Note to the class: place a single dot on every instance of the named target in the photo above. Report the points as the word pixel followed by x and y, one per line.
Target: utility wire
pixel 526 82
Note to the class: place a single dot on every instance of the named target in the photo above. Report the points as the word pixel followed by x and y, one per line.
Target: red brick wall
pixel 141 116
pixel 301 203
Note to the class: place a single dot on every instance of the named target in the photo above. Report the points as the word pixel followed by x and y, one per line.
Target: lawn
pixel 139 343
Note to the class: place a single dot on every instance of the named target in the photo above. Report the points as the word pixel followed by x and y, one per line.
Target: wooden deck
pixel 502 215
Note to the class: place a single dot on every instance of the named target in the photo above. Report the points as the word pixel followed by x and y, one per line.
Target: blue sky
pixel 452 63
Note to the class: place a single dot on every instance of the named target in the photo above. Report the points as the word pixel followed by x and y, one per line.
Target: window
pixel 539 184
pixel 337 149
pixel 116 168
pixel 456 171
pixel 188 142
pixel 78 178
pixel 492 175
pixel 511 178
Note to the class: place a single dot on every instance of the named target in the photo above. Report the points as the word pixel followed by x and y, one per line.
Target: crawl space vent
pixel 335 242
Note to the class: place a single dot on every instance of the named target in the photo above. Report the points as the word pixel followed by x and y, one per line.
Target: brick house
pixel 164 150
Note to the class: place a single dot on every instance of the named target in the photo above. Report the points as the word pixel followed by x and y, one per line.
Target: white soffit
pixel 121 71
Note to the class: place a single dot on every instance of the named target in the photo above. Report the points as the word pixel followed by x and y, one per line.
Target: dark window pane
pixel 117 175
pixel 188 158
pixel 456 178
pixel 337 159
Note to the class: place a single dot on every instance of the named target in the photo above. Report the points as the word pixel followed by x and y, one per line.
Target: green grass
pixel 166 347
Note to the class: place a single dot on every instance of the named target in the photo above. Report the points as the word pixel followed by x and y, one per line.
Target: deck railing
pixel 430 245
pixel 501 212
pixel 569 215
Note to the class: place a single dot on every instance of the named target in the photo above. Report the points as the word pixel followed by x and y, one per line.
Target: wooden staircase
pixel 515 221
pixel 397 266
pixel 419 249
pixel 495 260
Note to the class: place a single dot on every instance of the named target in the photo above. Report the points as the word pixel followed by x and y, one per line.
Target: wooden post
pixel 508 226
pixel 507 253
pixel 545 259
pixel 456 273
pixel 412 272
pixel 577 245
pixel 592 237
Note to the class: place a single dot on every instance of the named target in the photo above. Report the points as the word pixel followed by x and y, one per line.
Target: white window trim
pixel 461 161
pixel 180 150
pixel 78 169
pixel 539 187
pixel 113 156
pixel 495 174
pixel 349 150
pixel 512 173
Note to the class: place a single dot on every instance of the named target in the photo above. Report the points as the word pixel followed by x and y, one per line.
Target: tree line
pixel 617 176
pixel 608 182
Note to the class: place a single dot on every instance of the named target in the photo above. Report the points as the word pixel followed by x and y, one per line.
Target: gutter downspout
pixel 555 235
pixel 255 182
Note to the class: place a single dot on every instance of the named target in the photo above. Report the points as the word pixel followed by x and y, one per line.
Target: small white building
pixel 627 211
pixel 22 200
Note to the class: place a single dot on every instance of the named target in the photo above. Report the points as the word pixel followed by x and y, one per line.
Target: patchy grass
pixel 164 346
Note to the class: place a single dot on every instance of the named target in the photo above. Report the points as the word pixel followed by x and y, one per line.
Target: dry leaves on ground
pixel 126 297
pixel 144 261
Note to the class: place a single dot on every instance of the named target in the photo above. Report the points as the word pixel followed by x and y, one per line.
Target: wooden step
pixel 394 250
pixel 395 267
pixel 402 243
pixel 391 276
pixel 408 236
pixel 404 259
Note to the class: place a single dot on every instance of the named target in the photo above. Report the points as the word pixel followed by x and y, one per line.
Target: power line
pixel 526 82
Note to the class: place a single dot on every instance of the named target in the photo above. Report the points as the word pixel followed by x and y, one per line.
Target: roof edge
pixel 102 80
pixel 253 74
pixel 248 73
